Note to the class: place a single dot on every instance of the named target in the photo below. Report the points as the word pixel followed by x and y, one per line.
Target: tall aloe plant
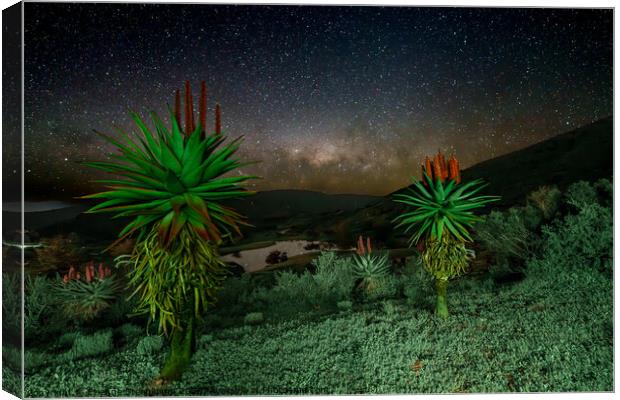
pixel 171 183
pixel 442 212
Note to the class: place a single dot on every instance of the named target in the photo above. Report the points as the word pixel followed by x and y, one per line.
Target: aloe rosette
pixel 172 181
pixel 442 213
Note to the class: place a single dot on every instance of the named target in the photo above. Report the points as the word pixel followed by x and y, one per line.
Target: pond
pixel 255 259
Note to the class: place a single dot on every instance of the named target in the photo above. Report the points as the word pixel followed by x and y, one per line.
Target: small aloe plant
pixel 83 294
pixel 368 267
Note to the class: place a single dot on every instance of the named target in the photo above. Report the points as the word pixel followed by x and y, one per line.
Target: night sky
pixel 334 99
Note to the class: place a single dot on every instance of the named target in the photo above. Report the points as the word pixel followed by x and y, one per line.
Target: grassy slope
pixel 547 333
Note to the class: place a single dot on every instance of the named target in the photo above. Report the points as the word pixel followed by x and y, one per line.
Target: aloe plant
pixel 369 268
pixel 173 186
pixel 441 216
pixel 83 295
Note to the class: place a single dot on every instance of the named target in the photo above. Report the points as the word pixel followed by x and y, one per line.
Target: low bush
pixel 386 287
pixel 130 332
pixel 41 319
pixel 580 195
pixel 344 305
pixel 546 199
pixel 506 235
pixel 149 345
pixel 255 318
pixel 90 345
pixel 582 240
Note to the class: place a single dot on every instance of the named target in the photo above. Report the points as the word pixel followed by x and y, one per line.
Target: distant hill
pixel 263 209
pixel 280 204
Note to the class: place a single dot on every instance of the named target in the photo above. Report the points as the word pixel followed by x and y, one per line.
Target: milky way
pixel 335 99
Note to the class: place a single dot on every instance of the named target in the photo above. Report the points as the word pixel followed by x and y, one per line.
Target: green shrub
pixel 41 319
pixel 67 339
pixel 546 199
pixel 580 195
pixel 33 359
pixel 255 318
pixel 344 305
pixel 149 345
pixel 583 240
pixel 12 307
pixel 293 293
pixel 505 235
pixel 333 277
pixel 90 345
pixel 605 190
pixel 118 312
pixel 417 285
pixel 386 287
pixel 532 217
pixel 12 381
pixel 130 331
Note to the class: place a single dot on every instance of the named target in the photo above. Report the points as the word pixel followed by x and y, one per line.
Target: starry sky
pixel 333 99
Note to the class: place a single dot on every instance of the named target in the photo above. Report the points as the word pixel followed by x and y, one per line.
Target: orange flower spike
pixel 88 275
pixel 458 171
pixel 428 167
pixel 368 245
pixel 444 167
pixel 437 168
pixel 452 168
pixel 101 271
pixel 360 246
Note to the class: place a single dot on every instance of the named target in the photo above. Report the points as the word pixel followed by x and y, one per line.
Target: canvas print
pixel 229 200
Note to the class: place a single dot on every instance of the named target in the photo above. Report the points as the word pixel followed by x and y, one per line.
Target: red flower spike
pixel 65 278
pixel 101 271
pixel 89 275
pixel 368 245
pixel 458 172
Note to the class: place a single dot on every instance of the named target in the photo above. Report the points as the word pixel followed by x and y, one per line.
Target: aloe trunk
pixel 442 303
pixel 182 344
